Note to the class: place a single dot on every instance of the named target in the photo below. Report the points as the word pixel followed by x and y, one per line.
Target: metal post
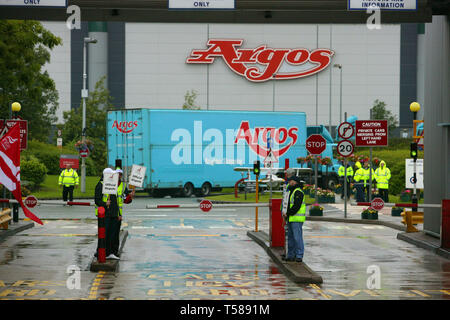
pixel 370 176
pixel 340 99
pixel 345 181
pixel 83 129
pixel 15 212
pixel 315 178
pixel 414 196
pixel 256 208
pixel 331 72
pixel 345 188
pixel 101 253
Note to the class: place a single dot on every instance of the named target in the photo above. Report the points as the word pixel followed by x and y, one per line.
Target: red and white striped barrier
pixel 403 205
pixel 56 203
pixel 215 205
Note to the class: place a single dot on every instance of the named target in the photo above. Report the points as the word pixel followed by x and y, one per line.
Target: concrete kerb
pixel 14 228
pixel 110 265
pixel 298 272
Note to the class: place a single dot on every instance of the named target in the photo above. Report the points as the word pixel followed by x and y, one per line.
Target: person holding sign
pixel 109 193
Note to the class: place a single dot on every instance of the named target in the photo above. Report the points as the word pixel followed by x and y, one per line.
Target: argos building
pixel 323 70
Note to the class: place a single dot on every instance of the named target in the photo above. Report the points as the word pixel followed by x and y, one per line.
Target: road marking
pixel 185 235
pixel 142 227
pixel 181 227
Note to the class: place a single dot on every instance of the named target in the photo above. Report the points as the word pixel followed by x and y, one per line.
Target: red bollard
pixel 276 227
pixel 445 230
pixel 101 254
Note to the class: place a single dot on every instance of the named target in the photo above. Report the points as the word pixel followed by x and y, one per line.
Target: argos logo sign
pixel 245 61
pixel 124 126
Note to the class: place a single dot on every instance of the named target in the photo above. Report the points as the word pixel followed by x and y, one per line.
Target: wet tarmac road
pixel 186 254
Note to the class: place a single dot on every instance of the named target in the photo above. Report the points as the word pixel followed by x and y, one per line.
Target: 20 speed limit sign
pixel 345 148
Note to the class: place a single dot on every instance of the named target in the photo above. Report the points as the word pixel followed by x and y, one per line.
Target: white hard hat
pixel 119 171
pixel 108 170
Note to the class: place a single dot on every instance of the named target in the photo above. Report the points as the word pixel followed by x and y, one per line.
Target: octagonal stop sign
pixel 31 201
pixel 316 144
pixel 377 204
pixel 205 205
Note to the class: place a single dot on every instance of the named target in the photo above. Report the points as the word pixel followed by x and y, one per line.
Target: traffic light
pixel 414 150
pixel 256 169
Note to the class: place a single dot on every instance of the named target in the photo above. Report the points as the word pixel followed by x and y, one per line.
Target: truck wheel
pixel 332 182
pixel 188 190
pixel 206 189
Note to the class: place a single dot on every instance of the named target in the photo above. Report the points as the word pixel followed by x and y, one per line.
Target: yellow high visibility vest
pixel 383 176
pixel 300 216
pixel 68 178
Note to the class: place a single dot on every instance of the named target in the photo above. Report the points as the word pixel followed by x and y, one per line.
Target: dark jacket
pixel 298 200
pixel 113 210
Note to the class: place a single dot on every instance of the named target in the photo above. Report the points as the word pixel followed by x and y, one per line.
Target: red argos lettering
pixel 125 127
pixel 245 133
pixel 242 61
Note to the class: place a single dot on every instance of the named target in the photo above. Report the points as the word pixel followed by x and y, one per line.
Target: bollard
pixel 445 230
pixel 15 212
pixel 101 254
pixel 276 228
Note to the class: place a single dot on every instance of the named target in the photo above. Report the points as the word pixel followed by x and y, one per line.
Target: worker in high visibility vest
pixel 113 212
pixel 382 175
pixel 296 216
pixel 68 179
pixel 366 178
pixel 357 177
pixel 341 173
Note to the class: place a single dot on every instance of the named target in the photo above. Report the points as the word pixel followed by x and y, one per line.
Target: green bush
pixel 32 171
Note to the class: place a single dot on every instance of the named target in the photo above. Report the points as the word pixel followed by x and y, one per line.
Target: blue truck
pixel 196 151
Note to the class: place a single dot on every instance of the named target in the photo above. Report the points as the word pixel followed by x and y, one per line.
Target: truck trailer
pixel 195 151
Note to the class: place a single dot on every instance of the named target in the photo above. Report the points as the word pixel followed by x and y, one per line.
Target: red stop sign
pixel 205 205
pixel 316 144
pixel 31 201
pixel 377 204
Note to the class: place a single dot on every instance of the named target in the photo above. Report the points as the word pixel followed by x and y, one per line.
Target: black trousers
pixel 112 229
pixel 384 193
pixel 68 191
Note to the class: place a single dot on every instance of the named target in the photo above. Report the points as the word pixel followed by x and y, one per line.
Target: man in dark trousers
pixel 295 215
pixel 113 214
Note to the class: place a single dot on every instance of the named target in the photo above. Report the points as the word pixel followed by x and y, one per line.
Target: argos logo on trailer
pixel 124 126
pixel 263 63
pixel 230 146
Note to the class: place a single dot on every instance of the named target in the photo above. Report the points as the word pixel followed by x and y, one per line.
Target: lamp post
pixel 340 95
pixel 84 95
pixel 414 107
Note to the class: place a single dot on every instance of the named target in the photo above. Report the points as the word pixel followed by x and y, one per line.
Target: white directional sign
pixel 207 4
pixel 34 3
pixel 345 148
pixel 346 130
pixel 382 4
pixel 137 176
pixel 409 173
pixel 285 199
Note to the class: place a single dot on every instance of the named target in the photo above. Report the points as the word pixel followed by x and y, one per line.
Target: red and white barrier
pixel 403 205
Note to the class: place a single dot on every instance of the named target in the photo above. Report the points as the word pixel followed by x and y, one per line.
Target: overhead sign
pixel 382 4
pixel 268 60
pixel 110 181
pixel 371 133
pixel 137 176
pixel 23 130
pixel 345 148
pixel 346 130
pixel 316 144
pixel 409 173
pixel 34 3
pixel 208 4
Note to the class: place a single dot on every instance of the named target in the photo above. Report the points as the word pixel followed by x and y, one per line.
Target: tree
pixel 97 104
pixel 189 101
pixel 379 112
pixel 23 52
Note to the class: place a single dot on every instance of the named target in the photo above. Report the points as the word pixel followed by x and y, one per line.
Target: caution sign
pixel 110 181
pixel 371 133
pixel 137 176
